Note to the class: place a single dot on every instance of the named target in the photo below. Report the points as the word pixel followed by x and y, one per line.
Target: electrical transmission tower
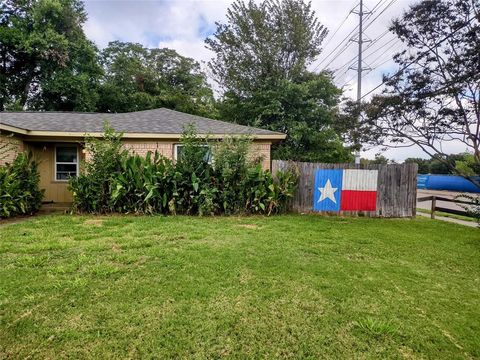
pixel 360 68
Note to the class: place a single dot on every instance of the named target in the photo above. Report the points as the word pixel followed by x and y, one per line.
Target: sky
pixel 183 25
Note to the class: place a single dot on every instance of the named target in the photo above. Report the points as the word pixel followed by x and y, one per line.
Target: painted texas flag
pixel 345 190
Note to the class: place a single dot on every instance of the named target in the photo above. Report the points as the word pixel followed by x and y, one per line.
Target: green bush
pixel 143 185
pixel 20 193
pixel 92 189
pixel 208 178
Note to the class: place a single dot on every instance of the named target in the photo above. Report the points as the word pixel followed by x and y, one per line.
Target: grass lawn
pixel 287 286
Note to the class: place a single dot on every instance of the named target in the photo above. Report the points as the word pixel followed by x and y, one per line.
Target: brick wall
pixel 10 146
pixel 261 150
pixel 142 147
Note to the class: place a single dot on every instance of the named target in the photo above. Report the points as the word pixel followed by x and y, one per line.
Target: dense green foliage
pixel 256 287
pixel 20 193
pixel 115 181
pixel 137 78
pixel 46 62
pixel 92 189
pixel 434 97
pixel 378 160
pixel 261 58
pixel 262 54
pixel 449 164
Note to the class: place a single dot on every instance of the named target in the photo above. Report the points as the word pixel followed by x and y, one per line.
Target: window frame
pixel 176 146
pixel 77 163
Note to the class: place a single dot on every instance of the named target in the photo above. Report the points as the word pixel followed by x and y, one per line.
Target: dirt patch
pixel 116 248
pixel 93 222
pixel 248 226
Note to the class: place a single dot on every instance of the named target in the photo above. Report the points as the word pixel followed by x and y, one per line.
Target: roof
pixel 156 121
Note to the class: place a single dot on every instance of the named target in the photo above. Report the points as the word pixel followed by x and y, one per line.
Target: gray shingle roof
pixel 156 121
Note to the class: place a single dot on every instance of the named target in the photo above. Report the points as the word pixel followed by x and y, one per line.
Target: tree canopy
pixel 434 97
pixel 261 58
pixel 46 62
pixel 138 78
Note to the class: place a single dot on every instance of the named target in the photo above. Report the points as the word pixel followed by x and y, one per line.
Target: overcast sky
pixel 183 25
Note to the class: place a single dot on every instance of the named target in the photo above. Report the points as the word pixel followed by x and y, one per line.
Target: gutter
pixel 127 135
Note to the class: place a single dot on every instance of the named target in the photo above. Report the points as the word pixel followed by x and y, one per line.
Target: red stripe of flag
pixel 354 200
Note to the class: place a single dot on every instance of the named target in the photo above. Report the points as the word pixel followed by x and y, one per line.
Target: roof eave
pixel 13 129
pixel 131 135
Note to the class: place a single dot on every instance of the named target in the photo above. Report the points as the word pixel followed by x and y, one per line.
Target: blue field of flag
pixel 327 190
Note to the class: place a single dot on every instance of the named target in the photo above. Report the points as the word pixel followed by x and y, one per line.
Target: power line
pixel 378 5
pixel 373 67
pixel 392 43
pixel 417 58
pixel 345 39
pixel 338 28
pixel 368 47
pixel 382 63
pixel 386 7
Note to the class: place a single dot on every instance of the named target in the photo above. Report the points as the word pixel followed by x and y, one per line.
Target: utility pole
pixel 360 67
pixel 360 46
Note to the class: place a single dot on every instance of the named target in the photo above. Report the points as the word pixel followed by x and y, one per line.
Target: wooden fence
pixel 434 207
pixel 396 187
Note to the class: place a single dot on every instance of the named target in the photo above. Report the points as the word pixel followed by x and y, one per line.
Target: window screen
pixel 66 161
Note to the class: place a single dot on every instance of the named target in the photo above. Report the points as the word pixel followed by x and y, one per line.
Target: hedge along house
pixel 57 139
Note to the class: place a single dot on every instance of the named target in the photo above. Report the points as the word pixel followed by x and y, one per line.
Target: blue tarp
pixel 446 182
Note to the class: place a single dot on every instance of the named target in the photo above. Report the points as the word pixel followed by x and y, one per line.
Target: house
pixel 57 139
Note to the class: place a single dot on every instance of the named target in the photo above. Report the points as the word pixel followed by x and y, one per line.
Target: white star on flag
pixel 327 192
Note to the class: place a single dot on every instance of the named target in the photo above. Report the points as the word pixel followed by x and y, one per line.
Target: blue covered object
pixel 446 182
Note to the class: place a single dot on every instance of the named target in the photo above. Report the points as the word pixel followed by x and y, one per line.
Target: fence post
pixel 434 205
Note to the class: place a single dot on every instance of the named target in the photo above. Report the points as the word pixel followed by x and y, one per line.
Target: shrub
pixel 208 178
pixel 92 189
pixel 194 182
pixel 20 193
pixel 231 164
pixel 143 185
pixel 267 194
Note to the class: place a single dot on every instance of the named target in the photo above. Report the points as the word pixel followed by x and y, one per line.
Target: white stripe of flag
pixel 362 180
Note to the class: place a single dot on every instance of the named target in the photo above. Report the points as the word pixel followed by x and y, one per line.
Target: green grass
pixel 254 287
pixel 444 214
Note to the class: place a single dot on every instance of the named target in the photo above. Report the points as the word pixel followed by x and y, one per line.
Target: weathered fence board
pixel 396 187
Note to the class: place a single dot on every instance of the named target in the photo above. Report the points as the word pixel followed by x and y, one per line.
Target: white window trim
pixel 65 163
pixel 175 151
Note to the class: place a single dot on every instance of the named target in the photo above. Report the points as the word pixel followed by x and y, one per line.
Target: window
pixel 66 162
pixel 207 157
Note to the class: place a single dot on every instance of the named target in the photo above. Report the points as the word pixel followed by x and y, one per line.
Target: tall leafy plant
pixel 20 192
pixel 231 164
pixel 144 185
pixel 207 178
pixel 194 181
pixel 93 188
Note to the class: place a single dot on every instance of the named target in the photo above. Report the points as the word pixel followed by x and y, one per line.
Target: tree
pixel 260 64
pixel 46 62
pixel 137 78
pixel 423 164
pixel 434 98
pixel 379 160
pixel 448 165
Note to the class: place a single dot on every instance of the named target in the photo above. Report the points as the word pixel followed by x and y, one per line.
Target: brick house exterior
pixel 56 139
